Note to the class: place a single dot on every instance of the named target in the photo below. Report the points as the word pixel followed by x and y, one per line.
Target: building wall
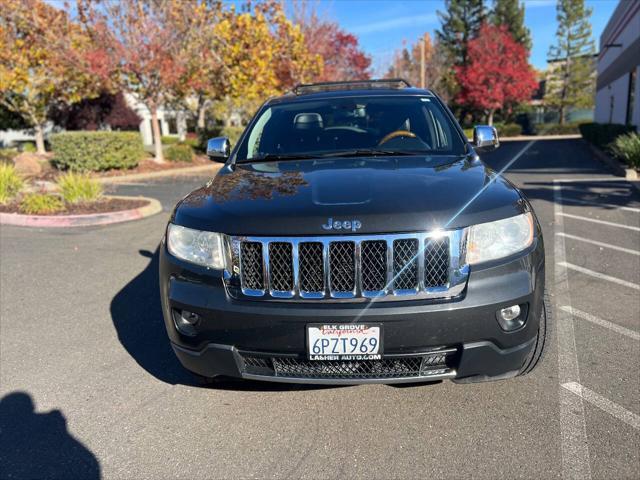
pixel 619 56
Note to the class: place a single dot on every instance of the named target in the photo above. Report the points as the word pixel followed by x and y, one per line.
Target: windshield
pixel 351 126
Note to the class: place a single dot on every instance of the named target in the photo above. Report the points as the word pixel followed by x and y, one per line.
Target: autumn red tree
pixel 149 47
pixel 497 72
pixel 341 54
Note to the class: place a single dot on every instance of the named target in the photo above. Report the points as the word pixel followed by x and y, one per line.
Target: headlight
pixel 489 241
pixel 195 246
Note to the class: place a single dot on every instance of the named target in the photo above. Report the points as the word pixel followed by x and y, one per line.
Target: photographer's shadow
pixel 38 445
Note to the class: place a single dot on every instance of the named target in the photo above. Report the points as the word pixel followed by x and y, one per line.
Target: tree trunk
pixel 562 115
pixel 490 117
pixel 182 126
pixel 202 107
pixel 157 136
pixel 40 139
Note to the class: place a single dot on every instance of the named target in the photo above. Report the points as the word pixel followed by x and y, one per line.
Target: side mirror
pixel 218 149
pixel 485 138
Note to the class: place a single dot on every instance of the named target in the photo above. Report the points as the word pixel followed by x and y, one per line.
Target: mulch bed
pixel 105 205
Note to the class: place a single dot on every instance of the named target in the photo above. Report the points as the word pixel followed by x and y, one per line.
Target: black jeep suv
pixel 354 236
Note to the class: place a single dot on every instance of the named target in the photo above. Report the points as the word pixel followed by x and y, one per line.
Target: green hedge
pixel 508 129
pixel 602 134
pixel 180 152
pixel 96 151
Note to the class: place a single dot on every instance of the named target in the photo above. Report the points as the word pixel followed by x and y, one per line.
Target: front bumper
pixel 233 333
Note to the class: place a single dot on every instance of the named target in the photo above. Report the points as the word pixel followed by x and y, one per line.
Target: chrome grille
pixel 350 266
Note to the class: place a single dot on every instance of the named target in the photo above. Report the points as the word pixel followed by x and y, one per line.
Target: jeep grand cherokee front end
pixel 354 236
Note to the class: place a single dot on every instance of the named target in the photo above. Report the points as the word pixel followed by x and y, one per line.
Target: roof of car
pixel 368 88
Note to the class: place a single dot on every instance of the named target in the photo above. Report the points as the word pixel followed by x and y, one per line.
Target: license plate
pixel 344 341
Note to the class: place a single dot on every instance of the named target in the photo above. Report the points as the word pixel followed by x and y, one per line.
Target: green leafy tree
pixel 571 81
pixel 461 21
pixel 510 13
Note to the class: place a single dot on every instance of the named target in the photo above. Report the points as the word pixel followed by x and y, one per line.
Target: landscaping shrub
pixel 179 152
pixel 7 155
pixel 79 187
pixel 96 151
pixel 602 134
pixel 29 147
pixel 557 129
pixel 509 130
pixel 10 183
pixel 40 203
pixel 167 140
pixel 626 148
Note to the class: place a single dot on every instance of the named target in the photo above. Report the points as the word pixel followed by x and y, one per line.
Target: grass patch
pixel 41 203
pixel 10 182
pixel 79 188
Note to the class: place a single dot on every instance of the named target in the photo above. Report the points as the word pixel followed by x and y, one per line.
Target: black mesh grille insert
pixel 342 266
pixel 436 262
pixel 433 363
pixel 405 264
pixel 311 267
pixel 280 266
pixel 251 260
pixel 374 265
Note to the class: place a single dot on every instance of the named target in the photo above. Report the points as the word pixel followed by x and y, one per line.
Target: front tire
pixel 542 340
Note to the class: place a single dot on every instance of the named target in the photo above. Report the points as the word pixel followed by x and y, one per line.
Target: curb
pixel 86 220
pixel 213 168
pixel 617 168
pixel 525 138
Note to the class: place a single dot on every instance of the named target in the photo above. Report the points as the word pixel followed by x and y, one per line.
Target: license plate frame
pixel 348 328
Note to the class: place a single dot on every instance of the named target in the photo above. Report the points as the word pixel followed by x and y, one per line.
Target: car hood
pixel 383 194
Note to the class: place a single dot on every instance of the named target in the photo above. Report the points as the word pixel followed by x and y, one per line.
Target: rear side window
pixel 411 124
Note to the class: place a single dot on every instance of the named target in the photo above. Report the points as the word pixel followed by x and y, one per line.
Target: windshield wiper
pixel 374 152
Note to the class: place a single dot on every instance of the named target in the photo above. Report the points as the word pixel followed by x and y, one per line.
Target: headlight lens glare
pixel 493 240
pixel 195 246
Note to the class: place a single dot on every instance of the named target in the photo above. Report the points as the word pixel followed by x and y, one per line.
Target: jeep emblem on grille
pixel 353 225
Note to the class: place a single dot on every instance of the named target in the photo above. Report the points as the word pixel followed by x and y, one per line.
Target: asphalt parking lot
pixel 89 386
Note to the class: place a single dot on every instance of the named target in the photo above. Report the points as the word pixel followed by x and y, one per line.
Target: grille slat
pixel 251 265
pixel 436 261
pixel 357 266
pixel 342 267
pixel 374 265
pixel 405 264
pixel 281 266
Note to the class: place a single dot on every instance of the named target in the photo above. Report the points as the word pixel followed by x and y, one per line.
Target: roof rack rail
pixel 398 83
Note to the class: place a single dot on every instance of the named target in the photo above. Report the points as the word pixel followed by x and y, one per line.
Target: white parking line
pixel 601 276
pixel 601 222
pixel 573 429
pixel 600 204
pixel 603 323
pixel 600 244
pixel 596 180
pixel 604 404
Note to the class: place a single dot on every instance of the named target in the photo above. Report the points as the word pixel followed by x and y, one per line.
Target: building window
pixel 172 125
pixel 631 95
